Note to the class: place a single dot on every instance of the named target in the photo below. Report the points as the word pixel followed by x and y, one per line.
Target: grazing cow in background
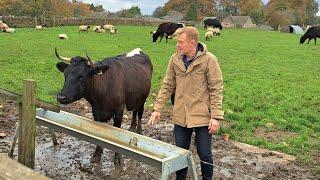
pixel 152 32
pixel 312 33
pixel 109 85
pixel 166 29
pixel 183 25
pixel 213 23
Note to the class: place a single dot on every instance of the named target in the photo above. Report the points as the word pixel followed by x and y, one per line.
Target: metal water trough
pixel 168 158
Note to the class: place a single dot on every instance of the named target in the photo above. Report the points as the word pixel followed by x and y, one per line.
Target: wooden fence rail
pixel 10 169
pixel 5 94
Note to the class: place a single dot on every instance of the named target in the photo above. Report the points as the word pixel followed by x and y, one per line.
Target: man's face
pixel 184 46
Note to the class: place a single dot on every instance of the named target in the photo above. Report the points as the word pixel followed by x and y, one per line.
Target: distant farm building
pixel 238 22
pixel 265 27
pixel 295 29
pixel 173 16
pixel 209 17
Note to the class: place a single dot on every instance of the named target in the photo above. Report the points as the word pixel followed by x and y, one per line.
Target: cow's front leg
pixel 96 157
pixel 161 36
pixel 140 113
pixel 100 117
pixel 117 120
pixel 133 125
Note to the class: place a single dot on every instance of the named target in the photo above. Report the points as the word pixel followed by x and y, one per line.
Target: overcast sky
pixel 147 6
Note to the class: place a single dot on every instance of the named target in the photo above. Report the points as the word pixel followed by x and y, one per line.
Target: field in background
pixel 271 96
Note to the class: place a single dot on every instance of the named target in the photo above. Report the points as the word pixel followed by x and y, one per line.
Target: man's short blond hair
pixel 192 33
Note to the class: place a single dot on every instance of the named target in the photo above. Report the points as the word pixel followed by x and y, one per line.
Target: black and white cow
pixel 166 29
pixel 212 22
pixel 312 33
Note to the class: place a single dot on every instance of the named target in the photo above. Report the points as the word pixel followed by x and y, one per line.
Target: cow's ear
pixel 62 66
pixel 99 70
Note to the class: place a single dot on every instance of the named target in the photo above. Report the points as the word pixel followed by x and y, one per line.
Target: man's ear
pixel 99 70
pixel 194 42
pixel 62 66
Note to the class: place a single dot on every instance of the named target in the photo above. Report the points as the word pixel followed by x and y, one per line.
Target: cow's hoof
pixel 117 159
pixel 95 158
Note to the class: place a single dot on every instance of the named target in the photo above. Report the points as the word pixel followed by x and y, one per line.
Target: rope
pixel 235 172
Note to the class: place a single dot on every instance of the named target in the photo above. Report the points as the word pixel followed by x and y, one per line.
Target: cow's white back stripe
pixel 134 52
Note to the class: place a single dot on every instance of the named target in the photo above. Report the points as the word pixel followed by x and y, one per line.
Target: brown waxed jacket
pixel 198 90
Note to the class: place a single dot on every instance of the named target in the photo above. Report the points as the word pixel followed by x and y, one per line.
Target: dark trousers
pixel 182 137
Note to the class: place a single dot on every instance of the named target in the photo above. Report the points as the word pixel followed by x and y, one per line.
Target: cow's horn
pixel 61 58
pixel 90 63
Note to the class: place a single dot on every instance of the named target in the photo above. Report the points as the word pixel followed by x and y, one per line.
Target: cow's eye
pixel 80 78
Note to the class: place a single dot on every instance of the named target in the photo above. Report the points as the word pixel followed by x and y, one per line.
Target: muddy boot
pixel 117 159
pixel 132 128
pixel 139 130
pixel 96 157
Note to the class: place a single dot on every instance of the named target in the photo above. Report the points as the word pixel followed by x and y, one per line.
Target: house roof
pixel 238 19
pixel 173 16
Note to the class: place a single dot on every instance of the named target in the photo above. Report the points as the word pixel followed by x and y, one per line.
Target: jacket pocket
pixel 201 109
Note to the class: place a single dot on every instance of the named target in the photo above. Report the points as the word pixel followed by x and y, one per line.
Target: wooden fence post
pixel 27 125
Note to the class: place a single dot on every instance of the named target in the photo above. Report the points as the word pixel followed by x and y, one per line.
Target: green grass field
pixel 272 83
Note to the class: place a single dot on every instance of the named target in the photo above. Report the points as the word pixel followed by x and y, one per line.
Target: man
pixel 194 75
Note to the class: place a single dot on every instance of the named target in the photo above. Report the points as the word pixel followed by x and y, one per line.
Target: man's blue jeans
pixel 182 137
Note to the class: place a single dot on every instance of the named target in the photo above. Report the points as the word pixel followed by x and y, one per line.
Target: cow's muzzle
pixel 62 98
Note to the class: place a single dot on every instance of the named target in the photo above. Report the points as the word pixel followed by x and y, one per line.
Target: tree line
pixel 275 12
pixel 47 8
pixel 58 8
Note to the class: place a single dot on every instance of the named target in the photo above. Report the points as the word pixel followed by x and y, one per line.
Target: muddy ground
pixel 70 159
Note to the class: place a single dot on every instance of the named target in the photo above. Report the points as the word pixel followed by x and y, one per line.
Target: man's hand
pixel 213 126
pixel 155 117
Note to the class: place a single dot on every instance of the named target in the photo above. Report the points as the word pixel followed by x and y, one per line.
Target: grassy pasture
pixel 272 83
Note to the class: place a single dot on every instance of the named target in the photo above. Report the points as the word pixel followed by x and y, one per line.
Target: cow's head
pixel 303 38
pixel 78 71
pixel 155 37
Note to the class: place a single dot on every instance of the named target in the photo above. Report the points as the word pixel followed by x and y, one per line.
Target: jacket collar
pixel 202 50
